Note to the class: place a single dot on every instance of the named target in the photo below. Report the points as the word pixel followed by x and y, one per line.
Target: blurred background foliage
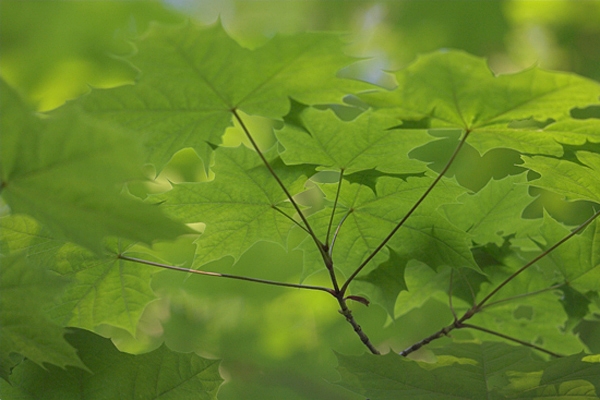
pixel 274 342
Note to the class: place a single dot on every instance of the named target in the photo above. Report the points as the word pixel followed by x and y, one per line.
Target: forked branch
pixel 323 248
pixel 460 323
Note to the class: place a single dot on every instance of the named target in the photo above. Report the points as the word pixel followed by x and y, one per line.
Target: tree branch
pixel 536 259
pixel 460 323
pixel 346 312
pixel 410 212
pixel 220 275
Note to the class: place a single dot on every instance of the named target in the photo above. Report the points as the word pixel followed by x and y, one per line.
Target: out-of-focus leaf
pixel 470 371
pixel 192 78
pixel 24 327
pixel 160 374
pixel 66 172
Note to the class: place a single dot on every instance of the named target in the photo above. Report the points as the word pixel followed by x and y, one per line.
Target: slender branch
pixel 460 323
pixel 220 275
pixel 291 219
pixel 346 312
pixel 533 346
pixel 337 231
pixel 520 296
pixel 410 212
pixel 337 196
pixel 439 334
pixel 274 174
pixel 536 259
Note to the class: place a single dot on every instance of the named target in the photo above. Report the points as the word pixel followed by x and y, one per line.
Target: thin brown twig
pixel 408 214
pixel 460 323
pixel 221 275
pixel 346 312
pixel 536 259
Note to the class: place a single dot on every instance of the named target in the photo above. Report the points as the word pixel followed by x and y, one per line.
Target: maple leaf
pixel 66 171
pixel 99 289
pixel 192 78
pixel 452 89
pixel 567 178
pixel 161 373
pixel 241 206
pixel 367 142
pixel 578 259
pixel 24 327
pixel 469 371
pixel 495 211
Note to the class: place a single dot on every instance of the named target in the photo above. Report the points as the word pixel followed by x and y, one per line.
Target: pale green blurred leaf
pixel 66 171
pixel 160 374
pixel 192 78
pixel 24 327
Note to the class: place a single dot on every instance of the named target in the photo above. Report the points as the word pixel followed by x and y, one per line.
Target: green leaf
pixel 24 327
pixel 192 78
pixel 426 235
pixel 365 143
pixel 538 319
pixel 383 284
pixel 494 212
pixel 578 259
pixel 66 171
pixel 160 374
pixel 455 89
pixel 369 217
pixel 567 178
pixel 101 289
pixel 469 371
pixel 240 207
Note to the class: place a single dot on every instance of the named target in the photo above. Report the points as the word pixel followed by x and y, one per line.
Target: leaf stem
pixel 274 174
pixel 410 212
pixel 520 296
pixel 290 218
pixel 337 196
pixel 533 346
pixel 337 231
pixel 220 275
pixel 460 323
pixel 536 259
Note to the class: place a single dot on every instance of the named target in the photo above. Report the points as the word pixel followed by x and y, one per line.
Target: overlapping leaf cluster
pixel 62 174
